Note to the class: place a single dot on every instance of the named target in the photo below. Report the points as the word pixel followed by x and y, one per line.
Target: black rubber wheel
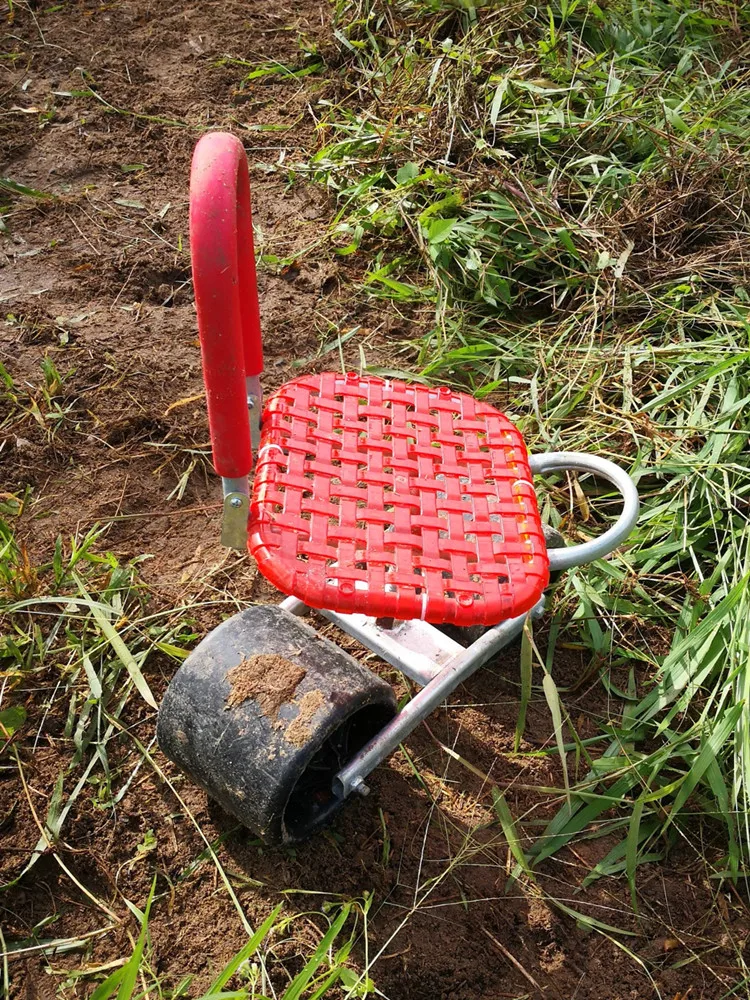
pixel 263 713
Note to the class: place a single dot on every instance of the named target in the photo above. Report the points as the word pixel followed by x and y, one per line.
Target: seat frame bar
pixel 426 655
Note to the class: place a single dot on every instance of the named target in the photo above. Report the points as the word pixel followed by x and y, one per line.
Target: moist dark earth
pixel 101 106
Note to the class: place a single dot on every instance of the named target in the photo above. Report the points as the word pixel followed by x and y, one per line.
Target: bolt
pixel 360 787
pixel 235 502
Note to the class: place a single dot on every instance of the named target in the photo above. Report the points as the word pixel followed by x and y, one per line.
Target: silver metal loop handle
pixel 575 461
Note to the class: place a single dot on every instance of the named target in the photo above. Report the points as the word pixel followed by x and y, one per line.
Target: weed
pixel 47 405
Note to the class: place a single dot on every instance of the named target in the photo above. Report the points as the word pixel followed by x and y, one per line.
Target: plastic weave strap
pixel 396 500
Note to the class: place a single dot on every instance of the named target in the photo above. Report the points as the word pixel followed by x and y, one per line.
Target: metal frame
pixel 237 491
pixel 452 664
pixel 437 662
pixel 597 548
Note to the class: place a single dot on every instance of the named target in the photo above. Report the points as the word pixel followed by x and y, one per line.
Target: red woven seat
pixel 396 500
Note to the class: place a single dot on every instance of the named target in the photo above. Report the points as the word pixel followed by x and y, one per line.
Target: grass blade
pixel 553 700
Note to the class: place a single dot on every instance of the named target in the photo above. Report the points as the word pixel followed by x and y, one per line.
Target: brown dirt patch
pixel 298 731
pixel 267 678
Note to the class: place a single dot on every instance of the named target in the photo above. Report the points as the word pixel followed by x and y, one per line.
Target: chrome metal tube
pixel 573 461
pixel 351 778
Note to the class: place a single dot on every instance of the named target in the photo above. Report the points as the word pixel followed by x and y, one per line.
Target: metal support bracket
pixel 423 653
pixel 235 514
pixel 414 647
pixel 254 408
pixel 351 777
pixel 236 491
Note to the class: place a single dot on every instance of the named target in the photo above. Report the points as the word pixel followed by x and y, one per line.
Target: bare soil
pixel 97 278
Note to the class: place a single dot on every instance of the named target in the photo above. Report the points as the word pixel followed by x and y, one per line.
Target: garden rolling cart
pixel 404 514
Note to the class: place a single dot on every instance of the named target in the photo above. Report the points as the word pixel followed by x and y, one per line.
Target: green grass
pixel 565 188
pixel 46 405
pixel 83 618
pixel 247 971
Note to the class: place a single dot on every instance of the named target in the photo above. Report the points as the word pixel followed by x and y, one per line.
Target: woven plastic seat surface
pixel 395 500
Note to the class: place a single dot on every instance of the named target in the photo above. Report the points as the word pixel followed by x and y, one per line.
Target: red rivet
pixel 346 587
pixel 352 377
pixel 465 600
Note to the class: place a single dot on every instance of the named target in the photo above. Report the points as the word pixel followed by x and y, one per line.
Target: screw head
pixel 360 787
pixel 235 502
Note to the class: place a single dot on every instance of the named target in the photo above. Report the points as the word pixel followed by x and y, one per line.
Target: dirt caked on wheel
pixel 263 714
